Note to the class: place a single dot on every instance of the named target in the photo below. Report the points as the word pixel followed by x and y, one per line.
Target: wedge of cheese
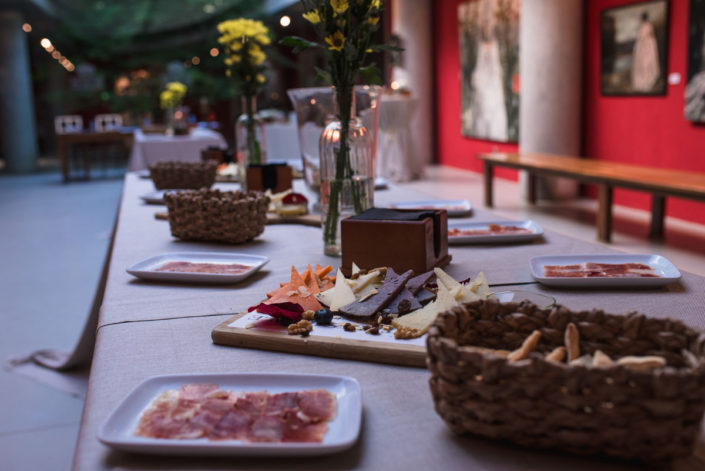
pixel 338 296
pixel 418 322
pixel 364 284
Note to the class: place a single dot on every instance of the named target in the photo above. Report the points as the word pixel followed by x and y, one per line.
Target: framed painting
pixel 634 49
pixel 489 69
pixel 695 88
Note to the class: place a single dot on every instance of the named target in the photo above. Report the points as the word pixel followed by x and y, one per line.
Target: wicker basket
pixel 183 175
pixel 649 416
pixel 233 216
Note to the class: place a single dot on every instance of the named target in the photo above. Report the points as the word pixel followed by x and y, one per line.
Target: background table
pixel 149 329
pixel 149 149
pixel 88 138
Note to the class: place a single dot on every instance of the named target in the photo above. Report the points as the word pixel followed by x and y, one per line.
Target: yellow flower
pixel 262 38
pixel 261 78
pixel 373 20
pixel 336 41
pixel 339 6
pixel 228 73
pixel 233 59
pixel 257 57
pixel 376 4
pixel 312 17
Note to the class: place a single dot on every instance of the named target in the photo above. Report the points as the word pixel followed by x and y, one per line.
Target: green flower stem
pixel 254 151
pixel 343 168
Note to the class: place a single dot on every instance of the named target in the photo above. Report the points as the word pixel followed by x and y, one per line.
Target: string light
pixel 64 61
pixel 214 52
pixel 27 28
pixel 196 60
pixel 285 21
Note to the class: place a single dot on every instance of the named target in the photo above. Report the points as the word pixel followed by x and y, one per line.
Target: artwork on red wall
pixel 695 89
pixel 489 69
pixel 634 49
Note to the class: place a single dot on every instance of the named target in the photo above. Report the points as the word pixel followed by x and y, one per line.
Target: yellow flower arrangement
pixel 244 41
pixel 172 95
pixel 345 29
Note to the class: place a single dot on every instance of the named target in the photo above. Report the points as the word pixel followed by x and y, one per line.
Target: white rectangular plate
pixel 147 269
pixel 455 208
pixel 381 183
pixel 118 431
pixel 535 232
pixel 667 272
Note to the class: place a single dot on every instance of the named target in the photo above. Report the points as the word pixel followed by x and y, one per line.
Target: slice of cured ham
pixel 200 410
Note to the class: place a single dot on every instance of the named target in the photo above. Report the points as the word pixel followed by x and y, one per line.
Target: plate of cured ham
pixel 498 232
pixel 237 414
pixel 604 270
pixel 455 208
pixel 199 267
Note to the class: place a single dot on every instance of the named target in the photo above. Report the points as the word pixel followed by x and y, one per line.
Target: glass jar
pixel 249 134
pixel 347 174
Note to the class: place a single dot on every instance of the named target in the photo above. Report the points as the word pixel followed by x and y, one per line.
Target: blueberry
pixel 323 316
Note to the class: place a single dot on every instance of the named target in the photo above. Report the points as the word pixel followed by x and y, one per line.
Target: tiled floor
pixel 53 239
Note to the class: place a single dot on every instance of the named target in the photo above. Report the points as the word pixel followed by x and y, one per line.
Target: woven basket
pixel 233 216
pixel 183 175
pixel 649 416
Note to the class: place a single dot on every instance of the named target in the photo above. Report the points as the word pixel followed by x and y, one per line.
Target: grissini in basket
pixel 649 414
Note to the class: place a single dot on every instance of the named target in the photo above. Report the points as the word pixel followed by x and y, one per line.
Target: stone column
pixel 551 56
pixel 18 136
pixel 412 22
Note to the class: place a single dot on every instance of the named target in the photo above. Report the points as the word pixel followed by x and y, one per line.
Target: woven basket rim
pixel 434 335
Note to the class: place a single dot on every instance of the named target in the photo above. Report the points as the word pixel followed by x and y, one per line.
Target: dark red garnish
pixel 295 198
pixel 284 313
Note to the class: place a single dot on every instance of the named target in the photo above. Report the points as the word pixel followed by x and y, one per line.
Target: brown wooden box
pixel 276 177
pixel 417 245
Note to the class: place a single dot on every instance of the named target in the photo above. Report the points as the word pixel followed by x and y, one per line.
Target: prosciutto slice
pixel 206 411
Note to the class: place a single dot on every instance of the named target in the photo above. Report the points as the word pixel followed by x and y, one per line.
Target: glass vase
pixel 249 135
pixel 346 173
pixel 315 109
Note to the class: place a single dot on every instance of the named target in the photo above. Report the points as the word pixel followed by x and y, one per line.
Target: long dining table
pixel 152 328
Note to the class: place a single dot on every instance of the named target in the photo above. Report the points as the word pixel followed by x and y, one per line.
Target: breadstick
pixel 646 363
pixel 527 347
pixel 572 341
pixel 558 354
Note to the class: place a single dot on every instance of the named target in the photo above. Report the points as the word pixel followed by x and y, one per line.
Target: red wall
pixel 452 147
pixel 643 130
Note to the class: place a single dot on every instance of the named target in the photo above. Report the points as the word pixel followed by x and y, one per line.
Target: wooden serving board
pixel 336 343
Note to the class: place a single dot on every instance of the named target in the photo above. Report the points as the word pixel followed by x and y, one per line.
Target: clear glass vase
pixel 249 135
pixel 315 109
pixel 346 173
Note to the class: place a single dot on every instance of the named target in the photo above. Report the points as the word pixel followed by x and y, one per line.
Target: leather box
pixel 275 177
pixel 397 238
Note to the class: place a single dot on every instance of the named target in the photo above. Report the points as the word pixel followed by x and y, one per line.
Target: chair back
pixel 65 124
pixel 107 122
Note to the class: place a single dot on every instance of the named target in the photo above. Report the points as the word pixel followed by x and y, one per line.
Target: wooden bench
pixel 606 175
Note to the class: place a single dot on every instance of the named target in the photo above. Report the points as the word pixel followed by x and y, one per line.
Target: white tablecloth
pixel 149 149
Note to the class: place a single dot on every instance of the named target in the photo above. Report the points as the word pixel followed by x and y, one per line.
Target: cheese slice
pixel 365 283
pixel 418 322
pixel 480 286
pixel 445 279
pixel 355 268
pixel 338 296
